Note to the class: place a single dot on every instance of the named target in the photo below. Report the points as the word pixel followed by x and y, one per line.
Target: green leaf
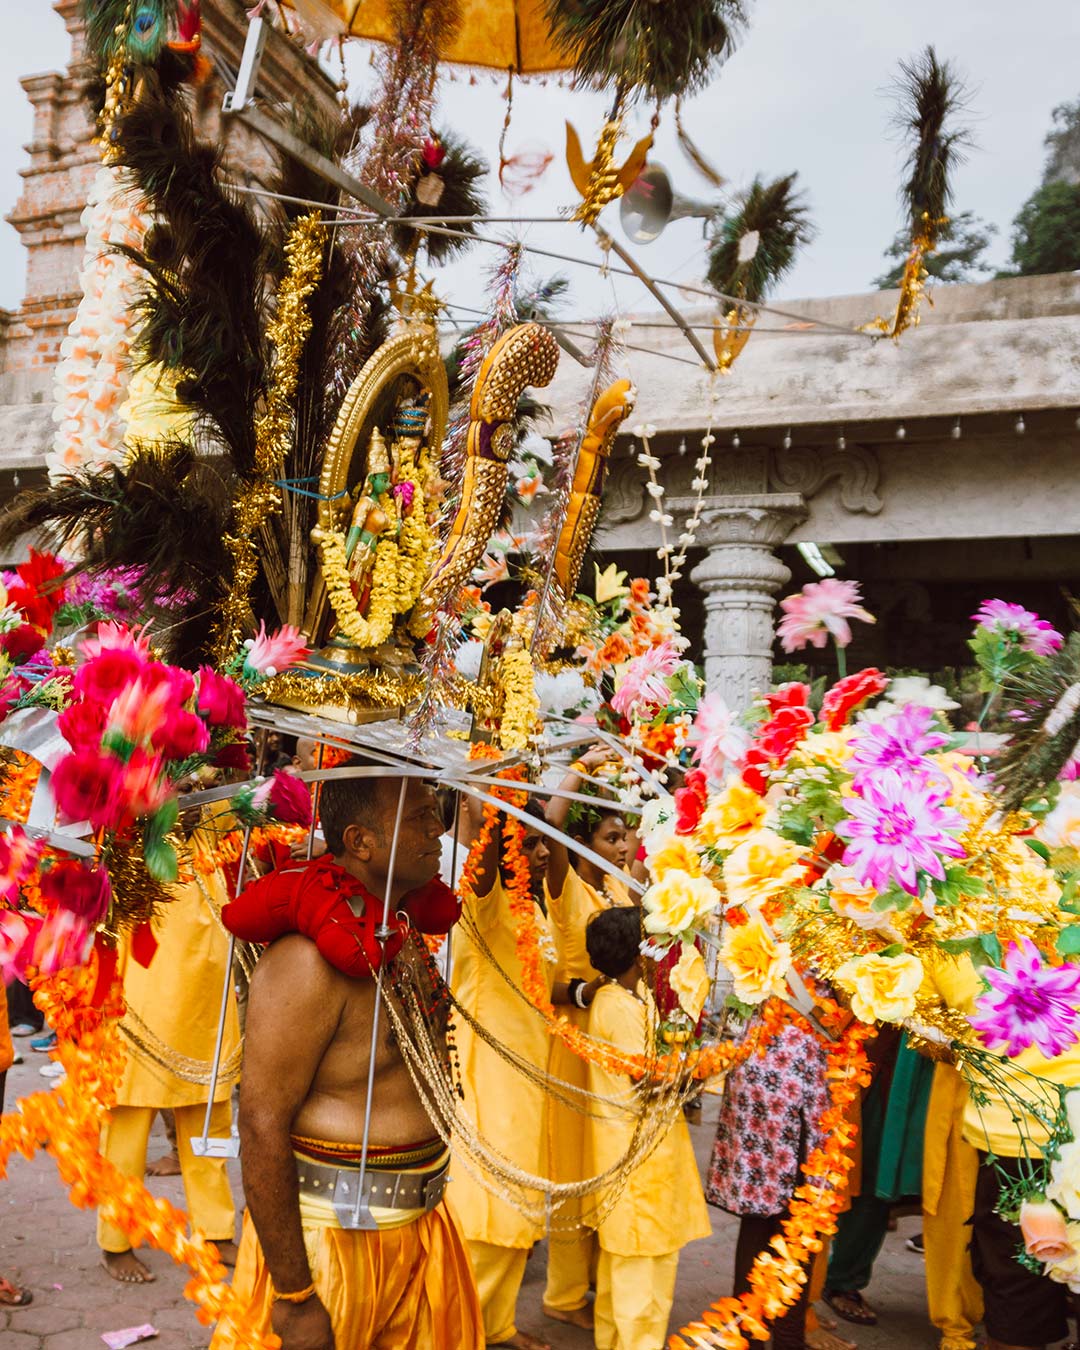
pixel 991 948
pixel 959 946
pixel 1068 940
pixel 1037 846
pixel 894 949
pixel 1070 900
pixel 161 860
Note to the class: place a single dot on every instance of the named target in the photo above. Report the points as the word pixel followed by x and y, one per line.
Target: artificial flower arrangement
pixel 139 731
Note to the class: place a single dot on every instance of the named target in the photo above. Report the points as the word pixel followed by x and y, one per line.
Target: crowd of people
pixel 355 1233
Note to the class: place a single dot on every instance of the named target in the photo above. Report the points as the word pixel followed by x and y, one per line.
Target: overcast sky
pixel 807 91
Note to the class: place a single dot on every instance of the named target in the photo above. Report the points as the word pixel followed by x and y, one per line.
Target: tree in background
pixel 1046 232
pixel 958 257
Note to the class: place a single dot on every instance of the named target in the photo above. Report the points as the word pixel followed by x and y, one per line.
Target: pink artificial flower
pixel 1019 625
pixel 105 677
pixel 144 787
pixel 899 742
pixel 16 943
pixel 720 740
pixel 270 654
pixel 1042 1226
pixel 405 493
pixel 82 725
pixel 115 637
pixel 643 683
pixel 821 610
pixel 220 700
pixel 492 570
pixel 183 735
pixel 84 891
pixel 63 940
pixel 285 798
pixel 138 713
pixel 11 691
pixel 180 683
pixel 1029 1003
pixel 85 786
pixel 19 855
pixel 897 829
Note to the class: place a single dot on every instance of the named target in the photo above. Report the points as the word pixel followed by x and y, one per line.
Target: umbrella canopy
pixel 500 34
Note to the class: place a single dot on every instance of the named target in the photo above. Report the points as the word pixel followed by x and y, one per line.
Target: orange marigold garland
pixel 782 1269
pixel 67 1122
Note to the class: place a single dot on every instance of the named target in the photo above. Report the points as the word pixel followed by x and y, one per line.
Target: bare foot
pixel 166 1166
pixel 521 1340
pixel 228 1251
pixel 580 1317
pixel 823 1339
pixel 127 1268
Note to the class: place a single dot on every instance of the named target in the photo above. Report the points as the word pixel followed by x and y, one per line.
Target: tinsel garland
pixel 288 332
pixel 379 688
pixel 67 1121
pixel 92 374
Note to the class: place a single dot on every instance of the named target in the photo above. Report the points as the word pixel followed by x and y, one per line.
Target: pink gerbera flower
pixel 897 829
pixel 644 682
pixel 1029 1003
pixel 899 742
pixel 1019 625
pixel 719 738
pixel 268 654
pixel 821 610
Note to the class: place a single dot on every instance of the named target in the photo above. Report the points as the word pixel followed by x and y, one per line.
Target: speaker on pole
pixel 652 204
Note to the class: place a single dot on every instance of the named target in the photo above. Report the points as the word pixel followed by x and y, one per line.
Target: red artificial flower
pixel 11 691
pixel 286 799
pixel 22 643
pixel 38 592
pixel 144 788
pixel 754 768
pixel 221 700
pixel 85 786
pixel 782 733
pixel 105 677
pixel 183 735
pixel 794 694
pixel 235 755
pixel 850 693
pixel 690 801
pixel 433 153
pixel 82 725
pixel 181 682
pixel 84 891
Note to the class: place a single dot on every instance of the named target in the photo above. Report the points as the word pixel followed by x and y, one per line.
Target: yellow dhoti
pixel 634 1295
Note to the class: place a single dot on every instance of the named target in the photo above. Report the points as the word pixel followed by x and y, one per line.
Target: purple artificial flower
pixel 1029 1003
pixel 1015 622
pixel 898 828
pixel 899 742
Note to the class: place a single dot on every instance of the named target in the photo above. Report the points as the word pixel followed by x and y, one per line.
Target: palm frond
pixel 1047 694
pixel 930 95
pixel 758 242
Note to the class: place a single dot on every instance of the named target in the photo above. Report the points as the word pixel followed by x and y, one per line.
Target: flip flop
pixel 13 1297
pixel 851 1306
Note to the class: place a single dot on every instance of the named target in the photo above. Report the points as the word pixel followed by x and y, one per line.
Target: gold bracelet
pixel 300 1296
pixel 582 770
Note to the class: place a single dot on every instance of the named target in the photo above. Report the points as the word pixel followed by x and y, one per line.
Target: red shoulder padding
pixel 313 898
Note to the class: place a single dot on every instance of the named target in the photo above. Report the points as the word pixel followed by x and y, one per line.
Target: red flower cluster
pixel 850 693
pixel 690 801
pixel 777 738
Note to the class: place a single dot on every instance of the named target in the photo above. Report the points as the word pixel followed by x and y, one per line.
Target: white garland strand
pixel 95 358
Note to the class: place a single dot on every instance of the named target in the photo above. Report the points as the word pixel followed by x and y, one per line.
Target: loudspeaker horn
pixel 652 204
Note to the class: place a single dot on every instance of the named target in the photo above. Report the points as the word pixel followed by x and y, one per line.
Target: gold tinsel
pixel 381 687
pixel 913 280
pixel 136 895
pixel 288 331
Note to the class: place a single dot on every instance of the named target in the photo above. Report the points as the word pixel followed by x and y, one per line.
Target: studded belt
pixel 383 1189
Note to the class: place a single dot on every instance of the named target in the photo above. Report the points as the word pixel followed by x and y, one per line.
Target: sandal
pixel 851 1306
pixel 13 1297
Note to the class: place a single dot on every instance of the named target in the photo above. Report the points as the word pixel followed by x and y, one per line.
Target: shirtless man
pixel 404 1278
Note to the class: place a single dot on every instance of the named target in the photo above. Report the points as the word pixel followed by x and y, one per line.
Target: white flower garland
pixel 95 358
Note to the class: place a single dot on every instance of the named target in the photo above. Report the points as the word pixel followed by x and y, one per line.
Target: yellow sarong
pixel 393 1288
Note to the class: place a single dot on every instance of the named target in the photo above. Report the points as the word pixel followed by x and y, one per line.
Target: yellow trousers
pixel 634 1295
pixel 572 1258
pixel 499 1272
pixel 953 1295
pixel 206 1182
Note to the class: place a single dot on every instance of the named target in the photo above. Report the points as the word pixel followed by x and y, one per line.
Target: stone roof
pixel 998 346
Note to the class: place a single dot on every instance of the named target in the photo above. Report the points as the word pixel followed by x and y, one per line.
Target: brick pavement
pixel 50 1246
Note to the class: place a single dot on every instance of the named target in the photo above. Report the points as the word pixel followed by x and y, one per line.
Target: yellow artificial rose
pixel 757 962
pixel 610 583
pixel 1066 1270
pixel 831 748
pixel 689 980
pixel 1064 1185
pixel 854 900
pixel 731 817
pixel 480 623
pixel 882 988
pixel 761 867
pixel 677 901
pixel 1061 828
pixel 674 855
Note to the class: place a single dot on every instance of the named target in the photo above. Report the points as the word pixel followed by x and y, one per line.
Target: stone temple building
pixel 937 471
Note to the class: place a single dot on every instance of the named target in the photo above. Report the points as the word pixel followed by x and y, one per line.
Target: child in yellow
pixel 576 891
pixel 662 1206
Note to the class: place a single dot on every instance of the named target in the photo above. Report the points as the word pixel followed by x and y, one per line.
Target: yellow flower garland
pixel 376 629
pixel 521 705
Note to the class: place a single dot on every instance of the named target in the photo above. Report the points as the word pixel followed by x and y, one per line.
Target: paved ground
pixel 50 1246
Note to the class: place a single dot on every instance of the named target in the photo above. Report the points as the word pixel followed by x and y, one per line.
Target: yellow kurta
pixel 178 997
pixel 508 1109
pixel 662 1205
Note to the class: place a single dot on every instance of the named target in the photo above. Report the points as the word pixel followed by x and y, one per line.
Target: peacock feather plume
pixel 756 244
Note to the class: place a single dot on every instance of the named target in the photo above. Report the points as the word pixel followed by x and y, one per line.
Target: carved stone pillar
pixel 740 576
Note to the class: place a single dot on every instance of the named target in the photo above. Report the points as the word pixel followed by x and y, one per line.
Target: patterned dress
pixel 768 1124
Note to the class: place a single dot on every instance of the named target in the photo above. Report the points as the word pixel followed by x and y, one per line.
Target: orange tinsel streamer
pixel 67 1123
pixel 701 1064
pixel 781 1270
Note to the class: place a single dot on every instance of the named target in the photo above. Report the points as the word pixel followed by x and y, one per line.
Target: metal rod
pixel 378 998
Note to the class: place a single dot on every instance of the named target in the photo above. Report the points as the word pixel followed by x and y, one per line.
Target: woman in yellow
pixel 507 1109
pixel 661 1206
pixel 173 1005
pixel 576 891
